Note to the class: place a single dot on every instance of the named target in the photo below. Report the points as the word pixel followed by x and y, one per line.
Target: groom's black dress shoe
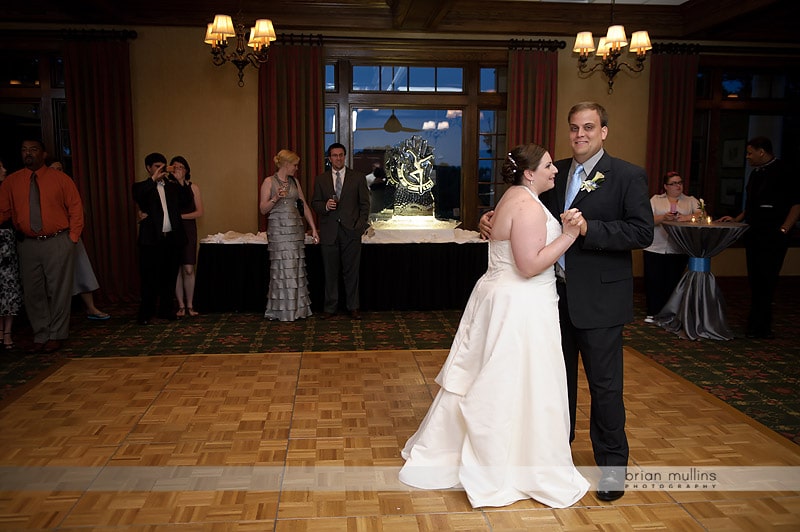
pixel 612 484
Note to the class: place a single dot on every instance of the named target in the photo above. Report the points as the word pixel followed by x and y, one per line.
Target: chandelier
pixel 609 50
pixel 261 35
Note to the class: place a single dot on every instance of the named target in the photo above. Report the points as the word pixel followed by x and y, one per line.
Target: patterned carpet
pixel 758 377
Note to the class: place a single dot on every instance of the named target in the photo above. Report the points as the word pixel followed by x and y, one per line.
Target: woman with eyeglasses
pixel 664 263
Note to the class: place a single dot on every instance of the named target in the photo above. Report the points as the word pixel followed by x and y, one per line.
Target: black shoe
pixel 141 321
pixel 51 346
pixel 326 315
pixel 612 484
pixel 354 314
pixel 37 347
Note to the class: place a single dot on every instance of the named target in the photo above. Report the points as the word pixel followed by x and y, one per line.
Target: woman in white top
pixel 664 262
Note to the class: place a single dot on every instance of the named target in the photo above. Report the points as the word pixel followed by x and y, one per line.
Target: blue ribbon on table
pixel 699 264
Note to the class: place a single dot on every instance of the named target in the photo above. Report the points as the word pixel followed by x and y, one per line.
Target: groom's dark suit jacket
pixel 599 266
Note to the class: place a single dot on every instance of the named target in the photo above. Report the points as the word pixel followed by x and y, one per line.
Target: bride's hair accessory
pixel 513 162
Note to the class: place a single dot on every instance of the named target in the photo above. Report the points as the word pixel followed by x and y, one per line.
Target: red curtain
pixel 532 80
pixel 291 111
pixel 673 77
pixel 98 91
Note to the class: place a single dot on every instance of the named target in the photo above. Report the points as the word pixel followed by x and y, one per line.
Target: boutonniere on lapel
pixel 593 183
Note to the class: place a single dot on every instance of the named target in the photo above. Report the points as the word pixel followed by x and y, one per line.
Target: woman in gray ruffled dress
pixel 288 297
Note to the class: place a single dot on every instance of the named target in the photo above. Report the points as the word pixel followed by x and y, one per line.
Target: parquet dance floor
pixel 311 441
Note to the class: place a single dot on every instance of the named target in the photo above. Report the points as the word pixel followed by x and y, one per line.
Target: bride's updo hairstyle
pixel 521 158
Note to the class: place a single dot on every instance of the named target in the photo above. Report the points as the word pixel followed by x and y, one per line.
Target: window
pixel 32 104
pixel 492 152
pixel 488 80
pixel 373 78
pixel 733 105
pixel 378 106
pixel 376 130
pixel 19 70
pixel 330 77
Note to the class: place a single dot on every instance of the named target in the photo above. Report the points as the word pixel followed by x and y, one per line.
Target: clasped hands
pixel 572 218
pixel 573 223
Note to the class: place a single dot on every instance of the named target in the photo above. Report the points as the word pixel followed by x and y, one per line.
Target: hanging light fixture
pixel 609 50
pixel 261 35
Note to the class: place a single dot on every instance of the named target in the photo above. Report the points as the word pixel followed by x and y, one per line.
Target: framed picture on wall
pixel 733 153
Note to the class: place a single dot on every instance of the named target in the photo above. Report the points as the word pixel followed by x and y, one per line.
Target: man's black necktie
pixel 35 205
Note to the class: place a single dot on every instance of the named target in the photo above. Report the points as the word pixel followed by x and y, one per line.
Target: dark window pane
pixel 487 122
pixel 19 71
pixel 703 86
pixel 486 183
pixel 735 86
pixel 366 78
pixel 330 119
pixel 488 80
pixel 19 121
pixel 793 86
pixel 330 77
pixel 449 79
pixel 422 79
pixel 400 79
pixel 57 72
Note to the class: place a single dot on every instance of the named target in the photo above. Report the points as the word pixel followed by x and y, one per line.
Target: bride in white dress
pixel 499 426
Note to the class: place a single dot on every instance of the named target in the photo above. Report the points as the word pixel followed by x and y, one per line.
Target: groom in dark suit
pixel 341 201
pixel 595 280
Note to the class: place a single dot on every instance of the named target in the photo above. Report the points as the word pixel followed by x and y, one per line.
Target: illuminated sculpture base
pixel 405 229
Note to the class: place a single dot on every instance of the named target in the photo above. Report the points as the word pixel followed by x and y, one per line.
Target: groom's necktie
pixel 573 187
pixel 35 205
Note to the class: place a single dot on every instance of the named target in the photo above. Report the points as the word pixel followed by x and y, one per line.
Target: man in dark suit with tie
pixel 595 286
pixel 595 281
pixel 161 238
pixel 341 201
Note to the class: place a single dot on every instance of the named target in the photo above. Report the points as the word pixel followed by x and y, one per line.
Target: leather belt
pixel 45 237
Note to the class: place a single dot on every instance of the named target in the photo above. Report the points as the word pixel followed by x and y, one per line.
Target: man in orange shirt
pixel 48 227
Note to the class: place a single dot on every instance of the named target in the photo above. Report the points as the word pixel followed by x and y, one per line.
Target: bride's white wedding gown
pixel 499 426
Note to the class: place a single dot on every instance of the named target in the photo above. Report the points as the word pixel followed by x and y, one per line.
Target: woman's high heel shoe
pixel 8 343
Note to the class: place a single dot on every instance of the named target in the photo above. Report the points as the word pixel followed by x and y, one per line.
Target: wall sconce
pixel 609 49
pixel 261 35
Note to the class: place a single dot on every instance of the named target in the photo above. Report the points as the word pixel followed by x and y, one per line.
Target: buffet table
pixel 696 308
pixel 427 276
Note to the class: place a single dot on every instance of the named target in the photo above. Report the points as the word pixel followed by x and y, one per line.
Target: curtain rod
pixel 538 44
pixel 695 48
pixel 292 39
